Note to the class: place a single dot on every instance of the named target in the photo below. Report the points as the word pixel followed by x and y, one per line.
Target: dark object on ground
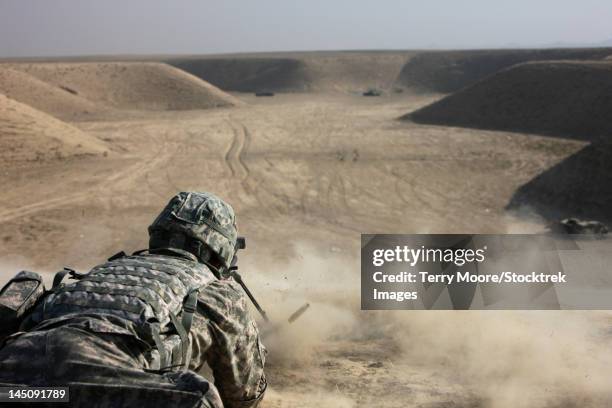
pixel 264 93
pixel 68 89
pixel 372 92
pixel 577 226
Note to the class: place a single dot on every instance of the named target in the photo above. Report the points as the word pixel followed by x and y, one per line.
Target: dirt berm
pixel 564 99
pixel 30 135
pixel 580 185
pixel 130 85
pixel 449 71
pixel 343 72
pixel 249 74
pixel 55 100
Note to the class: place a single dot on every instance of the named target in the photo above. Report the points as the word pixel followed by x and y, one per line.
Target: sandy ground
pixel 307 174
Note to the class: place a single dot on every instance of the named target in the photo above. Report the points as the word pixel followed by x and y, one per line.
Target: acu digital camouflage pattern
pixel 203 217
pixel 114 336
pixel 17 298
pixel 100 367
pixel 227 339
pixel 81 336
pixel 148 291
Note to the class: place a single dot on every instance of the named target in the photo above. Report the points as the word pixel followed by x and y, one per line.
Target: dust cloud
pixel 537 358
pixel 329 283
pixel 524 220
pixel 505 358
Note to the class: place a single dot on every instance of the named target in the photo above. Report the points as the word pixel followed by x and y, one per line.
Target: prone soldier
pixel 137 330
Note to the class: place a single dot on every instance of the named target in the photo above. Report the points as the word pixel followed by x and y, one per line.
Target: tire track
pixel 29 209
pixel 254 186
pixel 245 147
pixel 118 180
pixel 234 156
pixel 231 151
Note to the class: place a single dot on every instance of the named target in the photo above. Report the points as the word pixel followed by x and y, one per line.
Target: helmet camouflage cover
pixel 203 217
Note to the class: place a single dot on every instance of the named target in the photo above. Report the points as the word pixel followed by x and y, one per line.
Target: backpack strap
pixel 59 276
pixel 159 344
pixel 118 255
pixel 183 326
pixel 189 308
pixel 184 336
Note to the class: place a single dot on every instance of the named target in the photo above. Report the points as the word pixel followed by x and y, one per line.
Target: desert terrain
pixel 92 149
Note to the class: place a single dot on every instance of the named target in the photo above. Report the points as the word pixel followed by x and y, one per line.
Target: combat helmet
pixel 198 222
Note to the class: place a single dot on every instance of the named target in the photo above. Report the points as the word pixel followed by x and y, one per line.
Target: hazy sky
pixel 77 27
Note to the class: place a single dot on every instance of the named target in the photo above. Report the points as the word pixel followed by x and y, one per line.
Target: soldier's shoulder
pixel 171 259
pixel 227 286
pixel 226 290
pixel 223 300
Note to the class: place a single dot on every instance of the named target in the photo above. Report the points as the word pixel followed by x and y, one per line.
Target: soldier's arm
pixel 227 338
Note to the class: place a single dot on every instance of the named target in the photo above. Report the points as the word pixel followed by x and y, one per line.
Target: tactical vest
pixel 155 292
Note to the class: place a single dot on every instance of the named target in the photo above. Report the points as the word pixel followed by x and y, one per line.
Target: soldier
pixel 136 330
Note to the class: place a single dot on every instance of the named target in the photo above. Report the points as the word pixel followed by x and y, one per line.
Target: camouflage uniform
pixel 123 334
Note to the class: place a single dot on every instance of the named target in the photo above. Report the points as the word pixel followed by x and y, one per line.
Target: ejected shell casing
pixel 298 313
